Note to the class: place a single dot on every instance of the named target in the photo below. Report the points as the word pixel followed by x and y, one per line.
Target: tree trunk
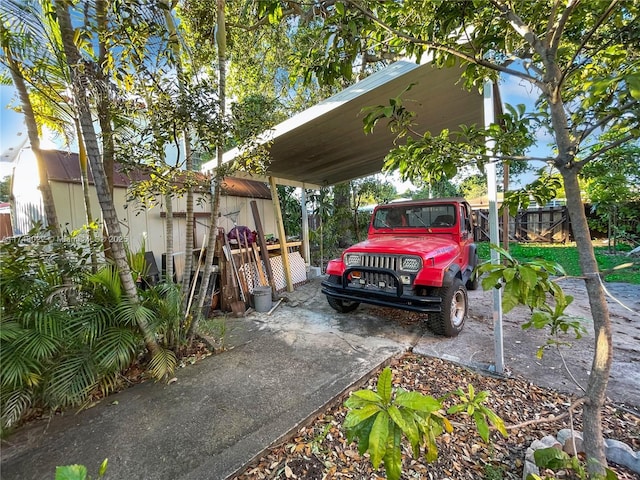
pixel 603 355
pixel 99 177
pixel 217 187
pixel 169 240
pixel 34 140
pixel 188 249
pixel 84 175
pixel 103 107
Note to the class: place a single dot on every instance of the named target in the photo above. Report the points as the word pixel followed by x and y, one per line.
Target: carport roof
pixel 326 144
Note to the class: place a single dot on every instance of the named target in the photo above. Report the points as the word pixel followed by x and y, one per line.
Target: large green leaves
pixel 379 420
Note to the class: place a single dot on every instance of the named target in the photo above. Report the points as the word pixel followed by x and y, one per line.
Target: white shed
pixel 139 225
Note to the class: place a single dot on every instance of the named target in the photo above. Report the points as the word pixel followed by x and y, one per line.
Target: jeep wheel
pixel 342 306
pixel 450 320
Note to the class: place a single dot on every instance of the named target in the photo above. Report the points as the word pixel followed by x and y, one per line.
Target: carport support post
pixel 494 234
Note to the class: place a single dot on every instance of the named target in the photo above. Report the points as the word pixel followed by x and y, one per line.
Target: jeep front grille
pixel 381 261
pixel 374 279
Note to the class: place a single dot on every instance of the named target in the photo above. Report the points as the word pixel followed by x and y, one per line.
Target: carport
pixel 326 144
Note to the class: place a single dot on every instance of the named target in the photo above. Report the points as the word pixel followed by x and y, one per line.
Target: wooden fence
pixel 541 225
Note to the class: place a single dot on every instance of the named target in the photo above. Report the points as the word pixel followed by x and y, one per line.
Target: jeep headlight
pixel 352 260
pixel 410 264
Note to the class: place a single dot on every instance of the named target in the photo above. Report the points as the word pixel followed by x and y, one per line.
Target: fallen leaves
pixel 319 451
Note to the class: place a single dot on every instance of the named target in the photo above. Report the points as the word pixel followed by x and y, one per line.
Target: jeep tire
pixel 342 306
pixel 450 320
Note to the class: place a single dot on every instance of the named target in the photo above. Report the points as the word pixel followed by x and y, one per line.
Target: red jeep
pixel 419 256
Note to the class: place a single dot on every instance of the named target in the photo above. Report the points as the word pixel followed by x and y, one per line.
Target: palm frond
pixel 38 345
pixel 10 329
pixel 107 287
pixel 18 370
pixel 116 349
pixel 163 364
pixel 14 404
pixel 89 321
pixel 128 313
pixel 72 380
pixel 45 320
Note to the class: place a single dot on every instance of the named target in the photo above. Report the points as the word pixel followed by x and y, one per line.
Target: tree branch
pixel 587 37
pixel 443 48
pixel 559 28
pixel 520 27
pixel 604 149
pixel 550 419
pixel 606 119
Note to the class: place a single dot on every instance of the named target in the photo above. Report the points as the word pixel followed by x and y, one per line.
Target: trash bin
pixel 262 299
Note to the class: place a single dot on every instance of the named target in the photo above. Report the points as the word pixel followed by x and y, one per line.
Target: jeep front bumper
pixel 391 295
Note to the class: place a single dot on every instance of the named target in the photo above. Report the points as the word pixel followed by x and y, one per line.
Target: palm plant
pixel 56 353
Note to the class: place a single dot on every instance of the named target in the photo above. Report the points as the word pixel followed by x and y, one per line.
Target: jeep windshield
pixel 425 216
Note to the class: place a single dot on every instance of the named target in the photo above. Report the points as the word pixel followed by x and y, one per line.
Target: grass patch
pixel 567 256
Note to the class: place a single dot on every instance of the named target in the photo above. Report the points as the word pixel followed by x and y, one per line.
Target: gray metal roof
pixel 326 144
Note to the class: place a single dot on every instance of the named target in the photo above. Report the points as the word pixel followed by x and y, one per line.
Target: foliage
pixel 439 189
pixel 60 342
pixel 531 284
pixel 558 460
pixel 379 419
pixel 78 472
pixel 541 190
pixel 613 268
pixel 473 186
pixel 291 210
pixel 5 189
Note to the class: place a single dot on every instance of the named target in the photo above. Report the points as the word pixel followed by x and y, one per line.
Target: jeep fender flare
pixel 473 256
pixel 452 272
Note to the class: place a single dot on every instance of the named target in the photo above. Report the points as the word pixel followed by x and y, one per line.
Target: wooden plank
pixel 256 254
pixel 264 252
pixel 284 252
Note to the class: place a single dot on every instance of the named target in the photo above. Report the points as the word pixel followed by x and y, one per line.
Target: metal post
pixel 494 234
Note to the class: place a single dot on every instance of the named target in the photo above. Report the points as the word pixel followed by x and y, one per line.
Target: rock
pixel 529 468
pixel 622 454
pixel 571 441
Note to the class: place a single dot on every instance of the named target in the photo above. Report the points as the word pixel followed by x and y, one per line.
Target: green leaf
pixel 393 456
pixel 551 457
pixel 368 395
pixel 71 472
pixel 384 385
pixel 529 275
pixel 481 425
pixel 103 467
pixel 496 421
pixel 412 429
pixel 354 417
pixel 406 424
pixel 417 401
pixel 378 438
